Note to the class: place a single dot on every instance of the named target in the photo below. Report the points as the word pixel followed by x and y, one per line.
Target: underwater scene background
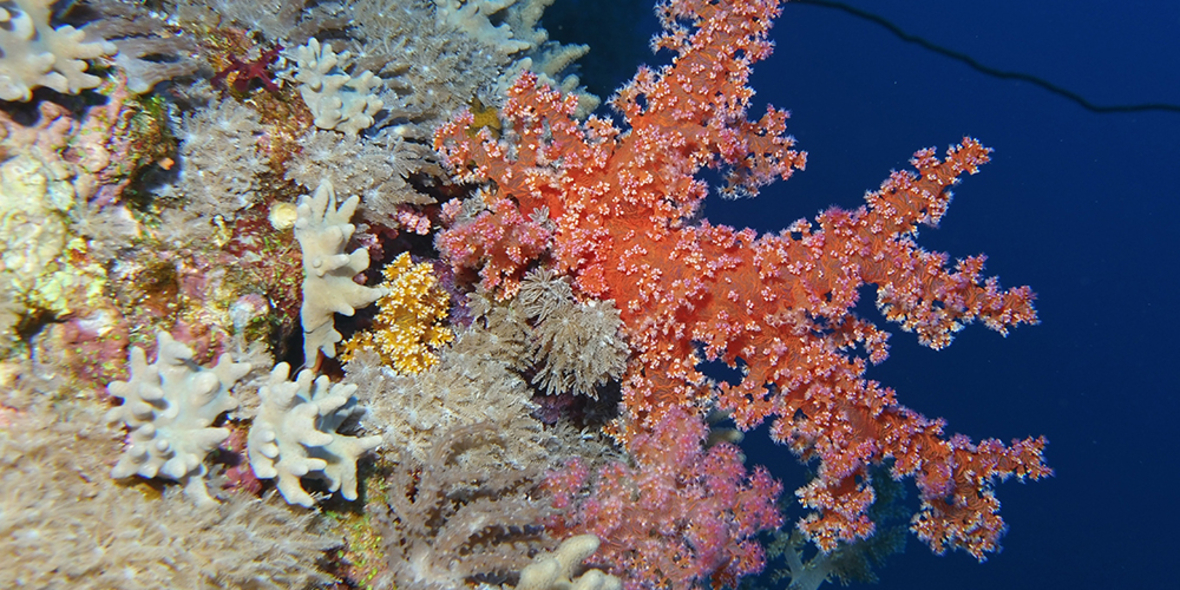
pixel 456 293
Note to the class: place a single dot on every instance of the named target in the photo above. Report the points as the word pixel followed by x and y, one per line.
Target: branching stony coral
pixel 294 435
pixel 411 324
pixel 323 231
pixel 170 406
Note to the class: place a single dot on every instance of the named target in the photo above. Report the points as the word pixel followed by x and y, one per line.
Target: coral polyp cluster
pixel 410 325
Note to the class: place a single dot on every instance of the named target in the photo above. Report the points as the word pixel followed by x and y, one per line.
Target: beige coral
pixel 66 525
pixel 323 231
pixel 555 571
pixel 339 100
pixel 170 406
pixel 34 53
pixel 294 435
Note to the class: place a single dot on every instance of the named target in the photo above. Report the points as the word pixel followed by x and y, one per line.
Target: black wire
pixel 987 70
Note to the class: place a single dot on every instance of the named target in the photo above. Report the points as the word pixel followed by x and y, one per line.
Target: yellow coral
pixel 43 265
pixel 410 325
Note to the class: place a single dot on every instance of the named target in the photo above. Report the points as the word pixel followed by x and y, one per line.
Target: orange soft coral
pixel 623 205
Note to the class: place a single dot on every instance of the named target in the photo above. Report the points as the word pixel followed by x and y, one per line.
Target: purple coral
pixel 682 514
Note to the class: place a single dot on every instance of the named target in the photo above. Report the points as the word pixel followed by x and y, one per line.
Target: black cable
pixel 987 70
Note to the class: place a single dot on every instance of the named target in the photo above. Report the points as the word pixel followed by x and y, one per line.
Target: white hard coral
pixel 323 231
pixel 170 406
pixel 294 435
pixel 339 100
pixel 33 53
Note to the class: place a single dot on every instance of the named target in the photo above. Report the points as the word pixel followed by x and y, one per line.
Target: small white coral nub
pixel 170 406
pixel 555 571
pixel 294 435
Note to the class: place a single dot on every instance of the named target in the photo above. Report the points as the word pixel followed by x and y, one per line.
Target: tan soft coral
pixel 323 231
pixel 170 407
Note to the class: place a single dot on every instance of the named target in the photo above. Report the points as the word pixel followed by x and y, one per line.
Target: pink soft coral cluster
pixel 501 242
pixel 682 514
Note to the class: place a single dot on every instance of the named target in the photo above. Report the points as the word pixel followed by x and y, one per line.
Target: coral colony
pixel 285 313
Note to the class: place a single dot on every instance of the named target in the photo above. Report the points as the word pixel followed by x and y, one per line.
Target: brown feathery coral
pixel 67 525
pixel 575 346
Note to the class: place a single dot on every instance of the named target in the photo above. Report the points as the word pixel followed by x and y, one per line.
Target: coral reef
pixel 556 570
pixel 682 514
pixel 34 53
pixel 67 524
pixel 622 206
pixel 220 159
pixel 55 175
pixel 466 513
pixel 151 48
pixel 410 326
pixel 323 231
pixel 532 371
pixel 577 346
pixel 499 241
pixel 339 100
pixel 463 389
pixel 38 244
pixel 378 169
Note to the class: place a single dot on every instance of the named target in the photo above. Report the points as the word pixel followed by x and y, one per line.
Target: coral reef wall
pixel 362 295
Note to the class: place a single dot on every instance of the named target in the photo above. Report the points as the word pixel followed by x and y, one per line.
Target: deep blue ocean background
pixel 1082 206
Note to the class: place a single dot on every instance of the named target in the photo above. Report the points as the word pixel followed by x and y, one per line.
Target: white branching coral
pixel 323 231
pixel 294 434
pixel 170 406
pixel 339 100
pixel 475 18
pixel 33 53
